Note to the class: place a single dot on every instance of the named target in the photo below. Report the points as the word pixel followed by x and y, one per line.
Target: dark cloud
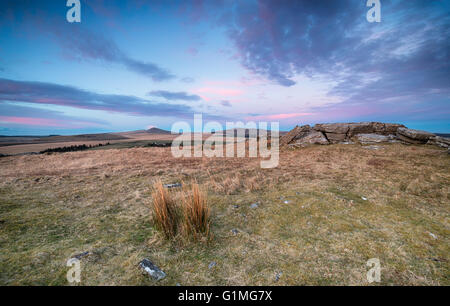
pixel 53 94
pixel 279 39
pixel 175 96
pixel 406 55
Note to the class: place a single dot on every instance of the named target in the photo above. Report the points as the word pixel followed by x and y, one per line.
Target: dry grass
pixel 165 215
pixel 196 213
pixel 186 213
pixel 55 206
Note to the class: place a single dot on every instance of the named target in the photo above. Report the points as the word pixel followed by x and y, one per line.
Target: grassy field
pixel 321 215
pixel 24 144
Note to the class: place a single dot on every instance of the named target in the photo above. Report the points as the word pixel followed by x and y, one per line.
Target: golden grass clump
pixel 196 212
pixel 165 213
pixel 190 217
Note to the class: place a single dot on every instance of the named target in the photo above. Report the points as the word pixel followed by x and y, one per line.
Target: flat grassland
pixel 321 215
pixel 20 145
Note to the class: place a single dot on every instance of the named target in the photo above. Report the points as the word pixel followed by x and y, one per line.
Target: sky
pixel 131 65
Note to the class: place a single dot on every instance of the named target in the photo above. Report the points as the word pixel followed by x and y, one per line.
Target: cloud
pixel 84 45
pixel 279 116
pixel 44 122
pixel 11 113
pixel 187 80
pixel 406 54
pixel 225 103
pixel 192 51
pixel 53 94
pixel 175 96
pixel 38 17
pixel 278 39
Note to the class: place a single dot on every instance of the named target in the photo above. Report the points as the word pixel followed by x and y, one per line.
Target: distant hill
pixel 157 131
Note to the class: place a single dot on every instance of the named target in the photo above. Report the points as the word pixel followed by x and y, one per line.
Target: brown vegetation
pixel 196 212
pixel 323 212
pixel 165 214
pixel 187 212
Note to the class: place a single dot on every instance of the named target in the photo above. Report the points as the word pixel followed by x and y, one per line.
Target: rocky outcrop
pixel 391 128
pixel 303 136
pixel 355 128
pixel 336 137
pixel 360 132
pixel 335 128
pixel 439 141
pixel 296 133
pixel 371 138
pixel 413 136
pixel 309 138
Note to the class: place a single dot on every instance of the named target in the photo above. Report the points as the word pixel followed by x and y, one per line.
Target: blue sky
pixel 133 64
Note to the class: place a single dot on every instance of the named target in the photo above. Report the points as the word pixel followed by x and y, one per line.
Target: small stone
pixel 170 186
pixel 254 205
pixel 153 271
pixel 432 235
pixel 212 265
pixel 81 255
pixel 278 275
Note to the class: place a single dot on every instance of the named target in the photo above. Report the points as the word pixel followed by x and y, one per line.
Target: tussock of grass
pixel 165 215
pixel 187 214
pixel 196 215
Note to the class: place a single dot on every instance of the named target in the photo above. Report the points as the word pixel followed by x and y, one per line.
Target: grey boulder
pixel 152 270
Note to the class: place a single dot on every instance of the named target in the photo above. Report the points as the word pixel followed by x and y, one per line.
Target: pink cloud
pixel 31 121
pixel 219 91
pixel 279 116
pixel 192 51
pixel 208 93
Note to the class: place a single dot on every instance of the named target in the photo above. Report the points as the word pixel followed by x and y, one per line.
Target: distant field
pixel 18 145
pixel 13 140
pixel 319 217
